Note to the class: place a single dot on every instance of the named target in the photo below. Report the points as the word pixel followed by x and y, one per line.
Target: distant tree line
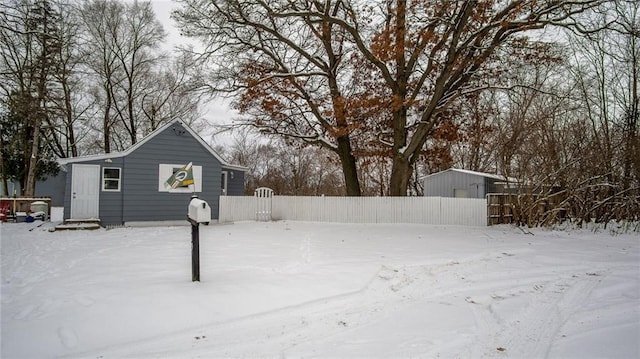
pixel 342 97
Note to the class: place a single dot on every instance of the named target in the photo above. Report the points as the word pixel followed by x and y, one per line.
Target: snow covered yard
pixel 295 289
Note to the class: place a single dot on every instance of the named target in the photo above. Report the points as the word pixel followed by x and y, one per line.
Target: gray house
pixel 466 184
pixel 129 187
pixel 50 186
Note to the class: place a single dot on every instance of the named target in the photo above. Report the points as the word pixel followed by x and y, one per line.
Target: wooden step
pixel 78 224
pixel 87 220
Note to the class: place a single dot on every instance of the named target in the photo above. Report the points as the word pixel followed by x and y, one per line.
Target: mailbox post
pixel 195 251
pixel 199 212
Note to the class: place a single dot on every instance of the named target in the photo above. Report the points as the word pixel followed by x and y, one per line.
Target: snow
pixel 299 289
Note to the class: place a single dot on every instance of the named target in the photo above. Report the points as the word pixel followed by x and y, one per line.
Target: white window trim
pixel 119 179
pixel 165 170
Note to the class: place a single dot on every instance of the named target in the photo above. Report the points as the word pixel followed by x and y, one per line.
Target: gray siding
pixel 111 202
pixel 143 201
pixel 139 198
pixel 235 182
pixel 13 188
pixel 445 183
pixel 53 187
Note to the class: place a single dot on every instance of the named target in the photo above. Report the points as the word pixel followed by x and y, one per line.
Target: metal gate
pixel 263 197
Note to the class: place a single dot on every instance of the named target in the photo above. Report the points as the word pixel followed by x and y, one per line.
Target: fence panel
pixel 469 211
pixel 264 198
pixel 237 208
pixel 420 210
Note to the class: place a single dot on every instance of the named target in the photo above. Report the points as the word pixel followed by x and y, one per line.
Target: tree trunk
pixel 349 169
pixel 5 189
pixel 400 175
pixel 30 186
pixel 132 123
pixel 106 123
pixel 71 138
pixel 401 168
pixel 631 130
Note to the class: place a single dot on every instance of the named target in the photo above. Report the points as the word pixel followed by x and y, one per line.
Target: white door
pixel 85 191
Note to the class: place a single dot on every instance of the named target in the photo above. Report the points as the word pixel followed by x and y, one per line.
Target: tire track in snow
pixel 391 289
pixel 288 325
pixel 531 332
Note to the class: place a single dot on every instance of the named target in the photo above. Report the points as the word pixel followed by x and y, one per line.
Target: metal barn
pixel 461 183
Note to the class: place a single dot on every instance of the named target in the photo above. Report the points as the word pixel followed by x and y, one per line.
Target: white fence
pixel 423 210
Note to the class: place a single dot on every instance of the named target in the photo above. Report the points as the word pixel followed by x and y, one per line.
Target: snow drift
pixel 295 289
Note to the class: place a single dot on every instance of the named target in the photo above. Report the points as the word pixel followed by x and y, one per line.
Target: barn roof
pixel 475 173
pixel 64 161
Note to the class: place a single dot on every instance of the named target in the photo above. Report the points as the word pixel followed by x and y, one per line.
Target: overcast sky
pixel 217 111
pixel 163 8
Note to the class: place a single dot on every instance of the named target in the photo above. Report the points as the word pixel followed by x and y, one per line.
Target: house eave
pixel 106 156
pixel 236 168
pixel 113 155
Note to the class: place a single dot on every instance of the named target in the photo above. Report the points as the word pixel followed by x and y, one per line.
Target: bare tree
pixel 292 74
pixel 169 95
pixel 136 50
pixel 101 19
pixel 606 67
pixel 418 57
pixel 286 170
pixel 29 39
pixel 68 104
pixel 430 55
pixel 561 126
pixel 121 44
pixel 627 86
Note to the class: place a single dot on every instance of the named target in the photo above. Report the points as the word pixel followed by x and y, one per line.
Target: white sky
pixel 163 9
pixel 217 111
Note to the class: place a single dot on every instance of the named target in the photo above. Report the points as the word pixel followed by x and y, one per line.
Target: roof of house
pixel 475 173
pixel 146 139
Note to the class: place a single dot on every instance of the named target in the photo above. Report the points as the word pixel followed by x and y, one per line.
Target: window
pixel 166 170
pixel 111 179
pixel 223 183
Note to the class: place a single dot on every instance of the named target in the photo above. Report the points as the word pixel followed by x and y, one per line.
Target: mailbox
pixel 199 211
